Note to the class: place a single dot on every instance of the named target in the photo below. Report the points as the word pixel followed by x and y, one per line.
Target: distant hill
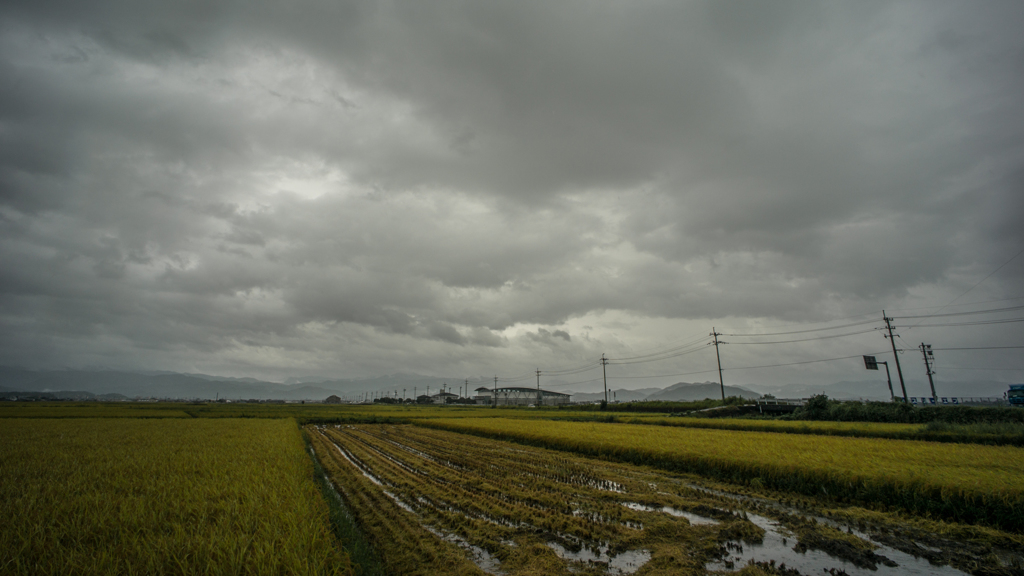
pixel 59 395
pixel 687 392
pixel 173 385
pixel 621 395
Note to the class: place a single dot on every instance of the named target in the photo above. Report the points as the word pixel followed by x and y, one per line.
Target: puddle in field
pixel 778 548
pixel 694 519
pixel 624 563
pixel 358 464
pixel 482 558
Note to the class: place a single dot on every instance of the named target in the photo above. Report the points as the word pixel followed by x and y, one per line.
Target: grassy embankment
pixel 123 496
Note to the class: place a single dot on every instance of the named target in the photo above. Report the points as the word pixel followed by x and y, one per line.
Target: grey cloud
pixel 201 179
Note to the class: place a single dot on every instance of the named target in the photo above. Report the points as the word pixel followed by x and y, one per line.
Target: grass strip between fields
pixel 966 483
pixel 992 434
pixel 360 550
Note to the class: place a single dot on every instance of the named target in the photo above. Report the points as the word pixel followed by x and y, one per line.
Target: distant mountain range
pixel 112 385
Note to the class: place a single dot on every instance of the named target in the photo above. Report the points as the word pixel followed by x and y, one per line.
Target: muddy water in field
pixel 482 558
pixel 694 519
pixel 584 509
pixel 780 549
pixel 623 563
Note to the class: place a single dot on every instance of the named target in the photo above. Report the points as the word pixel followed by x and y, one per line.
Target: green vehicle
pixel 1016 395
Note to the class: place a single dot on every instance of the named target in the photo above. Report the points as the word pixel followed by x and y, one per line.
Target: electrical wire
pixel 966 368
pixel 803 362
pixel 565 384
pixel 982 348
pixel 861 323
pixel 675 355
pixel 805 339
pixel 699 339
pixel 964 313
pixel 977 323
pixel 665 375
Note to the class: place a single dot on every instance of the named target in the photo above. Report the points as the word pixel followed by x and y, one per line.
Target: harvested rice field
pixel 440 502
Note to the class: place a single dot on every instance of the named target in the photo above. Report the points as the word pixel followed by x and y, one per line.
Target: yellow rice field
pixel 124 496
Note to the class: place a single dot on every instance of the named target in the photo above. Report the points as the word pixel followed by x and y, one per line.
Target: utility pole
pixel 467 388
pixel 494 393
pixel 604 372
pixel 539 401
pixel 926 350
pixel 895 355
pixel 716 342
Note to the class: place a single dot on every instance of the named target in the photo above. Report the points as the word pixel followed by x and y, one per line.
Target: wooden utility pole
pixel 539 400
pixel 604 372
pixel 716 342
pixel 895 355
pixel 926 350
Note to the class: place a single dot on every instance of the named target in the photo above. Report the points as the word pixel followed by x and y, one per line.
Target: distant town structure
pixel 332 399
pixel 443 398
pixel 520 396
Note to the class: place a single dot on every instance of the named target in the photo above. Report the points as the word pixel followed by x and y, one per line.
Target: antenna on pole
pixel 716 342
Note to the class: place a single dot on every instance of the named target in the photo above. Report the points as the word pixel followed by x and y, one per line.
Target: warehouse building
pixel 520 396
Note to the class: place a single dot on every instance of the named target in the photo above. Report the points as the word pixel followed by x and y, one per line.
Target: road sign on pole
pixel 870 363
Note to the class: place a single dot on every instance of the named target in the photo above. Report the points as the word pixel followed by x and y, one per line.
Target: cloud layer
pixel 451 188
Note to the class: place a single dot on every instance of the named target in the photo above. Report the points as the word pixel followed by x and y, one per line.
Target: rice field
pixel 167 496
pixel 438 502
pixel 98 488
pixel 966 483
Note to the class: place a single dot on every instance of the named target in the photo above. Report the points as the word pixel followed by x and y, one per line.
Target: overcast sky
pixel 464 189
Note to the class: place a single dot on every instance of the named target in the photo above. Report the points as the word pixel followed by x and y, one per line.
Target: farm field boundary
pixel 993 434
pixel 966 483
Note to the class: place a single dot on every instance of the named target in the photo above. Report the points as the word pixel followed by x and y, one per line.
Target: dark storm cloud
pixel 451 184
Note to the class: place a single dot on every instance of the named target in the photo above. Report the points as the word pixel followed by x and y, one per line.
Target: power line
pixel 566 384
pixel 964 313
pixel 983 348
pixel 872 321
pixel 1012 258
pixel 976 323
pixel 700 339
pixel 803 362
pixel 809 339
pixel 666 375
pixel 674 355
pixel 966 368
